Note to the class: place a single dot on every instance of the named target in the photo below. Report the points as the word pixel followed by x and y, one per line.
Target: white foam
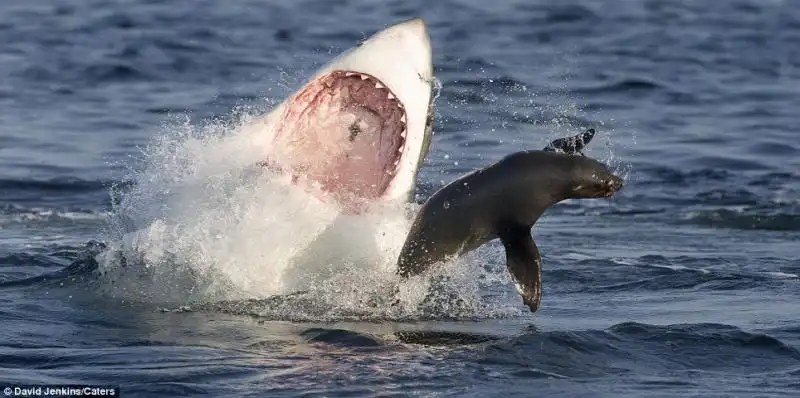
pixel 202 202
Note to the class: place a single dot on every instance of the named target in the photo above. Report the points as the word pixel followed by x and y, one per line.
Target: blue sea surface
pixel 686 283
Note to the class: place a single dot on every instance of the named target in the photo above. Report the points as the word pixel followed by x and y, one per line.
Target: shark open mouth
pixel 345 131
pixel 359 130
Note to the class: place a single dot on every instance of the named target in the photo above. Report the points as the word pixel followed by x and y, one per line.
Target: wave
pixel 78 266
pixel 14 214
pixel 638 348
pixel 745 220
pixel 354 339
pixel 673 176
pixel 627 86
pixel 339 337
pixel 711 197
pixel 657 273
pixel 672 351
pixel 59 195
pixel 61 184
pixel 35 260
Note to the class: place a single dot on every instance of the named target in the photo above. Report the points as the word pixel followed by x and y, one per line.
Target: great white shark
pixel 360 127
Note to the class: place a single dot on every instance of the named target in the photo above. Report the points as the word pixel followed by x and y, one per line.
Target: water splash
pixel 203 224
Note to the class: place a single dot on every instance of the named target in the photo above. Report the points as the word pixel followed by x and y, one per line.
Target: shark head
pixel 361 126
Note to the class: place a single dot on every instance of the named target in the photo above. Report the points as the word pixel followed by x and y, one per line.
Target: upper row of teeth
pixel 377 83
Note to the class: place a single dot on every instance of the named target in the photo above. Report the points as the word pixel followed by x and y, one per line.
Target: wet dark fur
pixel 503 200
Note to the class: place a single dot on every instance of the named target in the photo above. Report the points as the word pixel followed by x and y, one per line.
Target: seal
pixel 503 200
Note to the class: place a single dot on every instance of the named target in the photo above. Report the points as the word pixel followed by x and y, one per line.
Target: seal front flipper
pixel 524 262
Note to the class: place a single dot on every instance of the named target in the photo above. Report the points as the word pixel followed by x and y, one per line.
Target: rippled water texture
pixel 118 115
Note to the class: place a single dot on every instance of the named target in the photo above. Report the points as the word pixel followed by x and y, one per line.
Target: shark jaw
pixel 360 127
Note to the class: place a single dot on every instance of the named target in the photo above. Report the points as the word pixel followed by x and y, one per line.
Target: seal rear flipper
pixel 571 145
pixel 524 263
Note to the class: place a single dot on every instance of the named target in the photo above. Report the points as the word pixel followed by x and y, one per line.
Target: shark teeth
pixel 403 118
pixel 364 77
pixel 391 96
pixel 378 85
pixel 348 74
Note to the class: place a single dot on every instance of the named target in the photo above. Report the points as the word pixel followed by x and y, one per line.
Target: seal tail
pixel 524 263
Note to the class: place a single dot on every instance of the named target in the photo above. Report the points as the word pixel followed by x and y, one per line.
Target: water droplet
pixel 446 205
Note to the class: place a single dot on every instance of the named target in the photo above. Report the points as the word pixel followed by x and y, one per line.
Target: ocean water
pixel 120 116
